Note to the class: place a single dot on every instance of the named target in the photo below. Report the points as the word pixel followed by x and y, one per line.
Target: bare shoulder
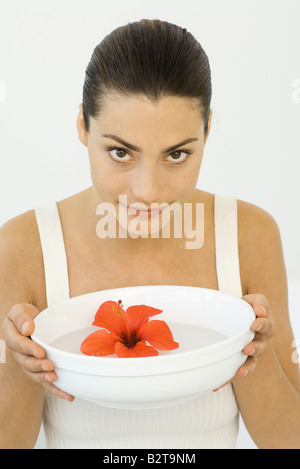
pixel 16 226
pixel 20 254
pixel 253 220
pixel 258 230
pixel 19 236
pixel 260 248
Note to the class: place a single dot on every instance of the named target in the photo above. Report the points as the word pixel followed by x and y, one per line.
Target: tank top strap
pixel 226 245
pixel 54 253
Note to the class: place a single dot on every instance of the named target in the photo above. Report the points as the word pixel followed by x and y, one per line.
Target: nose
pixel 147 185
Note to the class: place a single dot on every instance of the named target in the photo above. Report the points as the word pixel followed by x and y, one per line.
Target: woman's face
pixel 150 153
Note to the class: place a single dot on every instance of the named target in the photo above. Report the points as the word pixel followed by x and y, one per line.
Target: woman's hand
pixel 18 326
pixel 264 327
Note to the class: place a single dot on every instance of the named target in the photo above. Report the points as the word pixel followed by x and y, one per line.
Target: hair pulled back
pixel 152 58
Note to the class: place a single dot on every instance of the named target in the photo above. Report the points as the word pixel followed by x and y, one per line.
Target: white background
pixel 254 146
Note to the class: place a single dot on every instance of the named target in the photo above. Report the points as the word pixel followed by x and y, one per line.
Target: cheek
pixel 187 180
pixel 100 179
pixel 195 169
pixel 107 183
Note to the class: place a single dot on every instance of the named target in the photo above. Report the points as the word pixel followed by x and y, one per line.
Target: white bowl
pixel 212 329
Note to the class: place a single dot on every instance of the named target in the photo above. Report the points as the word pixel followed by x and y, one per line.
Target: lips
pixel 150 210
pixel 143 213
pixel 139 211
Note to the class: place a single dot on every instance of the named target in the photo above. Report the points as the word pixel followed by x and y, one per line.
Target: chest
pixel 90 272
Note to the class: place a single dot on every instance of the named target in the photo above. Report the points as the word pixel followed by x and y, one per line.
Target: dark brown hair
pixel 152 58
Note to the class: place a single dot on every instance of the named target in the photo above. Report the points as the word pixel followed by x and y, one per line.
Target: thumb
pixel 22 315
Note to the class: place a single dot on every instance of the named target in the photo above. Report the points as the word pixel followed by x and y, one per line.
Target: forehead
pixel 137 111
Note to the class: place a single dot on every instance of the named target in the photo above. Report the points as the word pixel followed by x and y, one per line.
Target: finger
pixel 263 327
pixel 32 364
pixel 255 348
pixel 47 380
pixel 42 377
pixel 259 303
pixel 220 387
pixel 248 367
pixel 18 343
pixel 58 392
pixel 260 310
pixel 22 316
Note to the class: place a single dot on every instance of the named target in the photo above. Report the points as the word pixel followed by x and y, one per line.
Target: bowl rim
pixel 231 343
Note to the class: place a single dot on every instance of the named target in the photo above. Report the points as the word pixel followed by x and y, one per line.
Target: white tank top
pixel 209 421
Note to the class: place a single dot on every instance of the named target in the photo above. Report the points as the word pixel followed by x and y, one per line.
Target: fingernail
pixel 256 327
pixel 246 373
pixel 24 327
pixel 36 354
pixel 48 378
pixel 45 368
pixel 263 309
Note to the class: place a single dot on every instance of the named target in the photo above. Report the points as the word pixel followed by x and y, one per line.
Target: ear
pixel 208 125
pixel 82 133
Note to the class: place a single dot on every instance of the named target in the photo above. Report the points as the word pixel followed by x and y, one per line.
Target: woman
pixel 145 119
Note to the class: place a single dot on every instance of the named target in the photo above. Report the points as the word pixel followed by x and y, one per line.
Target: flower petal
pixel 99 343
pixel 111 316
pixel 159 335
pixel 140 349
pixel 138 315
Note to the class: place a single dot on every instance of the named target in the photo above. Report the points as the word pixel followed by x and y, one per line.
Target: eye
pixel 179 156
pixel 118 155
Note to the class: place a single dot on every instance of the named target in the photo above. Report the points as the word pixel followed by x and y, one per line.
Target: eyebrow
pixel 139 150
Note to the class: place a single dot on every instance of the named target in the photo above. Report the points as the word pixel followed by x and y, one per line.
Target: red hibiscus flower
pixel 126 333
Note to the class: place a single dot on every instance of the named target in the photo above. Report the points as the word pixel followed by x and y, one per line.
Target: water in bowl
pixel 188 336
